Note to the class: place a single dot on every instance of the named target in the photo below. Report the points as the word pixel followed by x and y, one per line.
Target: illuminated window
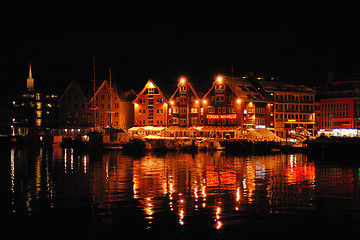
pixel 38 114
pixel 38 105
pixel 194 110
pixel 151 91
pixel 38 122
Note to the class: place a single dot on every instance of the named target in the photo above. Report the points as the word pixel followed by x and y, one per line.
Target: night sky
pixel 300 42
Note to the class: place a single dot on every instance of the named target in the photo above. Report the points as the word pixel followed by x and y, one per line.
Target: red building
pixel 340 103
pixel 184 108
pixel 236 101
pixel 150 106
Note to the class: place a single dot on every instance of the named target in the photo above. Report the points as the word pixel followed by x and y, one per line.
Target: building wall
pixel 110 110
pixel 337 113
pixel 184 106
pixel 33 112
pixel 74 108
pixel 224 107
pixel 221 106
pixel 150 107
pixel 294 110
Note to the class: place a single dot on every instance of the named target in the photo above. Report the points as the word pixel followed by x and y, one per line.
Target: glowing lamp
pixel 172 102
pixel 182 80
pixel 197 101
pixel 238 101
pixel 204 101
pixel 219 79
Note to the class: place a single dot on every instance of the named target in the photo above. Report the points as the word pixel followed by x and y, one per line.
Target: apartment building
pixel 294 109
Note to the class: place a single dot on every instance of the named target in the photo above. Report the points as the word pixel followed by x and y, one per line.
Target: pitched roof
pixel 191 88
pixel 75 85
pixel 150 83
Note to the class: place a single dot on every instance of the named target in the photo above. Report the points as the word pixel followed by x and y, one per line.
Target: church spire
pixel 30 73
pixel 30 80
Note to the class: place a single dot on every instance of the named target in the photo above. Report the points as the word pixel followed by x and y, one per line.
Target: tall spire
pixel 30 73
pixel 30 80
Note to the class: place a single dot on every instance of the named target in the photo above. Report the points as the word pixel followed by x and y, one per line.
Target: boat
pixel 135 145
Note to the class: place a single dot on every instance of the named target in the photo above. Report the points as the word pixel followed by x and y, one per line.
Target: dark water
pixel 56 193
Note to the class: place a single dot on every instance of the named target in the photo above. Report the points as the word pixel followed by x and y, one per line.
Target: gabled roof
pixel 106 84
pixel 149 84
pixel 191 88
pixel 76 86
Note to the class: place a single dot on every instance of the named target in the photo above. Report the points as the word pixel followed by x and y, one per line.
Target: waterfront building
pixel 184 106
pixel 113 109
pixel 294 110
pixel 340 103
pixel 235 101
pixel 150 106
pixel 74 109
pixel 33 111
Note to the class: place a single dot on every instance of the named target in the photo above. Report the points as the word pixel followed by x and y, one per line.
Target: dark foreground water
pixel 58 194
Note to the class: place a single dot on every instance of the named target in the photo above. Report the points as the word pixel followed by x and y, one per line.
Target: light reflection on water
pixel 176 191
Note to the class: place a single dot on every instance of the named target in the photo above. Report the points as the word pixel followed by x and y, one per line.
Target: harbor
pixel 207 194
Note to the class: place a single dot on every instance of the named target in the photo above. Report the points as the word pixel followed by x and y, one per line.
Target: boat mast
pixel 94 100
pixel 110 98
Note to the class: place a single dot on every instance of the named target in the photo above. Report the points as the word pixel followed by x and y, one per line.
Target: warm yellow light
pixel 150 85
pixel 204 101
pixel 172 102
pixel 238 101
pixel 182 80
pixel 219 79
pixel 197 101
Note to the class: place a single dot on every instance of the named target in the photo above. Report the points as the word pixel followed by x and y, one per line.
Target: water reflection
pixel 206 190
pixel 222 184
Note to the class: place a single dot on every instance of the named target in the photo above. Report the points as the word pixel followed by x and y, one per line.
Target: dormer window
pixel 151 91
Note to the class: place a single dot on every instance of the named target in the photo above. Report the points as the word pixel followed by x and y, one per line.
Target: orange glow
pixel 291 120
pixel 204 101
pixel 219 79
pixel 238 101
pixel 297 174
pixel 172 102
pixel 230 116
pixel 182 80
pixel 197 101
